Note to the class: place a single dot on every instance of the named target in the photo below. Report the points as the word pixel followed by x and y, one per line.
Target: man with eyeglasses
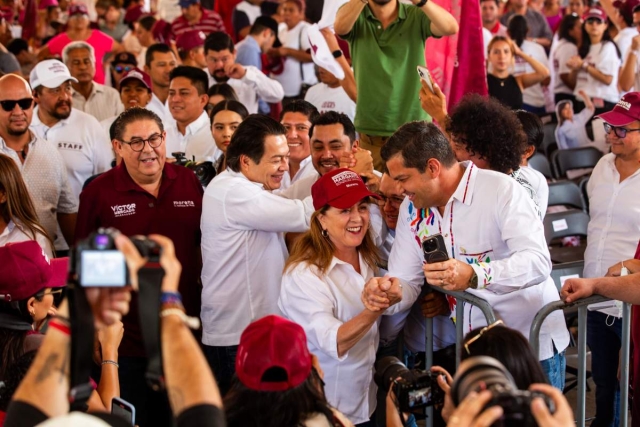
pixel 93 98
pixel 629 78
pixel 78 136
pixel 39 161
pixel 146 195
pixel 250 83
pixel 612 236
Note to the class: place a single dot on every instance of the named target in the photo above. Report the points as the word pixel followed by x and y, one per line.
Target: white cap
pixel 322 56
pixel 50 73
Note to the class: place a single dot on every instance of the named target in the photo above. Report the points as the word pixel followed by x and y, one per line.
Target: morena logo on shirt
pixel 329 105
pixel 184 204
pixel 70 146
pixel 124 210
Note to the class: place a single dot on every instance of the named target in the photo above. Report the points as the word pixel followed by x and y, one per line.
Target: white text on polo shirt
pixel 69 146
pixel 184 204
pixel 124 210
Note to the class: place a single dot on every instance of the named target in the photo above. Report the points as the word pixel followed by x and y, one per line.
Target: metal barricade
pixel 534 339
pixel 460 297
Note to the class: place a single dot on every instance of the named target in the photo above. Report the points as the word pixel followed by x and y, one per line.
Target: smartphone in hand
pixel 434 249
pixel 425 75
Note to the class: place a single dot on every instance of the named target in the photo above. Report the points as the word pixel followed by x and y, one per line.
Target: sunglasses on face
pixel 123 68
pixel 593 21
pixel 9 104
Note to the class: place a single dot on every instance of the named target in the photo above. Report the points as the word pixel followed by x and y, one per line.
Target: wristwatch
pixel 473 282
pixel 421 3
pixel 336 53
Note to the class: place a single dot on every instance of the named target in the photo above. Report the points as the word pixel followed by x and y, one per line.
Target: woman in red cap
pixel 325 275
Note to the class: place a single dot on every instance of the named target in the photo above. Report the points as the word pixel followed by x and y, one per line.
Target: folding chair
pixel 574 158
pixel 562 224
pixel 540 163
pixel 566 193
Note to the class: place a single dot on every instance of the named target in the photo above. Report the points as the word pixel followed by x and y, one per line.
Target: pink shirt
pixel 101 42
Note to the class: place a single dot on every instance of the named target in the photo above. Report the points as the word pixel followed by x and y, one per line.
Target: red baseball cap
pixel 273 342
pixel 626 111
pixel 190 40
pixel 137 74
pixel 626 6
pixel 78 9
pixel 26 270
pixel 340 188
pixel 596 12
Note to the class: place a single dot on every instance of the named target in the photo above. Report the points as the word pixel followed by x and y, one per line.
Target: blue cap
pixel 187 3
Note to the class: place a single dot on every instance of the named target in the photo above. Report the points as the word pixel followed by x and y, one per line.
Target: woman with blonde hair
pixel 18 218
pixel 503 85
pixel 321 290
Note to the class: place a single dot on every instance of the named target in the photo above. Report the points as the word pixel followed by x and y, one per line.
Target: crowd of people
pixel 305 258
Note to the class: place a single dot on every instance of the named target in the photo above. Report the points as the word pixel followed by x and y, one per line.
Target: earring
pixel 325 234
pixel 32 313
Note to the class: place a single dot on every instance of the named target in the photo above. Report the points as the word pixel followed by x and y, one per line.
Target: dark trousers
pixel 604 340
pixel 222 361
pixel 152 408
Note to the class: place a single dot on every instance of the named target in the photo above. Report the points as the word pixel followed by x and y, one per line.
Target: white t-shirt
pixel 532 95
pixel 197 140
pixel 605 58
pixel 560 55
pixel 325 98
pixel 253 86
pixel 81 141
pixel 293 76
pixel 14 233
pixel 539 184
pixel 624 38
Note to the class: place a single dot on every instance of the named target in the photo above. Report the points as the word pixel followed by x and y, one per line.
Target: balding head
pixel 15 84
pixel 16 104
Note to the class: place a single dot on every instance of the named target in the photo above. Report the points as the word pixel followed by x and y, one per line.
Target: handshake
pixel 380 293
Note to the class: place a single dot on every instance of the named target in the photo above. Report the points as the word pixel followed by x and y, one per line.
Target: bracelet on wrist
pixel 110 362
pixel 191 322
pixel 421 3
pixel 171 298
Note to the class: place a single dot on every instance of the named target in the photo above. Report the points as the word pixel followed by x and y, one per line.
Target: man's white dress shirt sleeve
pixel 269 90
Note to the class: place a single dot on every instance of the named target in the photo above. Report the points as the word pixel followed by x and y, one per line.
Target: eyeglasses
pixel 594 21
pixel 123 68
pixel 56 292
pixel 9 104
pixel 619 131
pixel 482 331
pixel 394 200
pixel 137 144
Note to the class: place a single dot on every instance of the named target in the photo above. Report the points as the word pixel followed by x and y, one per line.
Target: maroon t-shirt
pixel 115 200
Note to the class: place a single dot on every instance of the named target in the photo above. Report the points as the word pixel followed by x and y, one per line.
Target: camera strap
pixel 82 337
pixel 150 288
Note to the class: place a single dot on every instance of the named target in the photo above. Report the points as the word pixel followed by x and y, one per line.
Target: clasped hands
pixel 380 293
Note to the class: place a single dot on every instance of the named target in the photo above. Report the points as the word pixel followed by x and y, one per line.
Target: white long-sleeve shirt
pixel 243 253
pixel 197 141
pixel 491 224
pixel 253 86
pixel 81 141
pixel 321 304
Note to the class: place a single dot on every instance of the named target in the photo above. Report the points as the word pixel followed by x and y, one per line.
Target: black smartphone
pixel 434 249
pixel 124 410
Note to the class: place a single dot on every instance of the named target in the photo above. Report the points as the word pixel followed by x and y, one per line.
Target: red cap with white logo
pixel 137 74
pixel 626 111
pixel 340 188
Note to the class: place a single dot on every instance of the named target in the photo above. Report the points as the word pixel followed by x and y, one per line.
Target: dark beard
pixel 220 79
pixel 381 2
pixel 60 116
pixel 13 132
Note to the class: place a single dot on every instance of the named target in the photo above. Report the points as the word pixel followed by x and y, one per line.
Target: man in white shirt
pixel 329 95
pixel 243 250
pixel 93 98
pixel 79 137
pixel 39 162
pixel 296 117
pixel 613 235
pixel 492 234
pixel 191 131
pixel 159 62
pixel 249 82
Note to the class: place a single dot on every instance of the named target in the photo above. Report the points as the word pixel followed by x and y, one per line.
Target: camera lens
pixel 101 241
pixel 430 245
pixel 480 372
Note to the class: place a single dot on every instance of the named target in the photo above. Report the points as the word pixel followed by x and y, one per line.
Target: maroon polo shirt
pixel 114 200
pixel 208 23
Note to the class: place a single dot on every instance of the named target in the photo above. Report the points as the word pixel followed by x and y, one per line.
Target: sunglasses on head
pixel 123 68
pixel 9 104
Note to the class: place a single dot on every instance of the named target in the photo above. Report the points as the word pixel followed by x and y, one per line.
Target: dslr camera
pixel 486 373
pixel 98 263
pixel 205 171
pixel 414 389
